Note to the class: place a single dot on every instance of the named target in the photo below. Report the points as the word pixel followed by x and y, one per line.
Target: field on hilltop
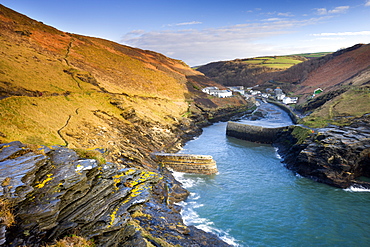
pixel 249 71
pixel 275 62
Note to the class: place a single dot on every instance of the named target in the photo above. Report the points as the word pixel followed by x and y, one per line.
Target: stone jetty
pixel 253 133
pixel 188 163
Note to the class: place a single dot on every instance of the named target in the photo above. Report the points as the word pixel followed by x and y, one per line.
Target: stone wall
pixel 253 133
pixel 287 109
pixel 199 164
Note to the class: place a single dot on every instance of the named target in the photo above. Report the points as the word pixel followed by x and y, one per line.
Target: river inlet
pixel 255 201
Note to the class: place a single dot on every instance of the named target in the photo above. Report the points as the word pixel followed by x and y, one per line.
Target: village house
pixel 214 91
pixel 238 89
pixel 255 92
pixel 290 100
pixel 208 90
pixel 279 95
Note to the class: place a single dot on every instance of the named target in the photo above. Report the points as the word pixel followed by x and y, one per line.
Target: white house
pixel 254 92
pixel 290 100
pixel 238 89
pixel 214 91
pixel 208 90
pixel 279 95
pixel 224 93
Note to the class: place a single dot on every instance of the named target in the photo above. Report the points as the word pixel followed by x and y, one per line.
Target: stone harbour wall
pixel 253 133
pixel 188 163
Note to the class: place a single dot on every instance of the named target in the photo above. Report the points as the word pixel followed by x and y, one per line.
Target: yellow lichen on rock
pixel 43 183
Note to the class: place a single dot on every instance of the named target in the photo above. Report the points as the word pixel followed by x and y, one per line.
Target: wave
pixel 189 214
pixel 277 155
pixel 187 182
pixel 191 217
pixel 357 188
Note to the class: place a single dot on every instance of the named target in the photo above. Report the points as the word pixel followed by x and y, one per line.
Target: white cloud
pixel 185 23
pixel 273 19
pixel 336 10
pixel 287 14
pixel 367 4
pixel 339 10
pixel 322 11
pixel 343 33
pixel 202 46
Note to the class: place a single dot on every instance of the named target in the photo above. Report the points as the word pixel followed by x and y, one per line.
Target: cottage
pixel 255 92
pixel 214 91
pixel 238 89
pixel 290 100
pixel 208 90
pixel 224 93
pixel 279 95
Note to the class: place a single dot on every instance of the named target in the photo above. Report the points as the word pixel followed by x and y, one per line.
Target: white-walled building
pixel 290 100
pixel 238 89
pixel 214 91
pixel 208 90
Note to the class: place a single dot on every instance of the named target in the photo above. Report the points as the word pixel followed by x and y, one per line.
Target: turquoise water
pixel 255 201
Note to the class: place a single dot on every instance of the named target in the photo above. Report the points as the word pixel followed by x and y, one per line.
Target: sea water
pixel 255 201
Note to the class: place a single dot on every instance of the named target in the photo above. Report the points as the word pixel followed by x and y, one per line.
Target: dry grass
pixel 73 241
pixel 6 215
pixel 341 110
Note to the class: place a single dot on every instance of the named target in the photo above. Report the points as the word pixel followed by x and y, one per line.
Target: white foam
pixel 187 182
pixel 191 217
pixel 277 154
pixel 189 214
pixel 357 188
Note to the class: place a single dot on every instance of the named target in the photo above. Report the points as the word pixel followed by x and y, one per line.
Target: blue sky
pixel 203 31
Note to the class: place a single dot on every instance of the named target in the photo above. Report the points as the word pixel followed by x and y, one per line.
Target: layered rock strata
pixel 188 163
pixel 56 193
pixel 337 156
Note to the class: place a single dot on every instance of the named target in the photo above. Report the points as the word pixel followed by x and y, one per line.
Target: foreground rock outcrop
pixel 337 156
pixel 56 192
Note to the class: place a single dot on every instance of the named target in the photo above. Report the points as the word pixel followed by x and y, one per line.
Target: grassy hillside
pixel 247 71
pixel 58 88
pixel 345 78
pixel 343 75
pixel 275 62
pixel 313 55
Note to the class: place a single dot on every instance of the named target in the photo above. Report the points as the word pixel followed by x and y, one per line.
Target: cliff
pixel 56 193
pixel 334 155
pixel 71 100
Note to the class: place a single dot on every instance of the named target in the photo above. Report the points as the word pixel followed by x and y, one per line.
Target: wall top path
pixel 253 133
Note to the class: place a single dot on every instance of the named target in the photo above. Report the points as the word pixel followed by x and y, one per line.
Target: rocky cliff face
pixel 56 193
pixel 338 156
pixel 113 105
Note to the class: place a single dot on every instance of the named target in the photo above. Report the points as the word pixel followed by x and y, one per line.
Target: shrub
pixel 91 154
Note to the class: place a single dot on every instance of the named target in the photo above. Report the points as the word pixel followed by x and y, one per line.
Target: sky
pixel 203 31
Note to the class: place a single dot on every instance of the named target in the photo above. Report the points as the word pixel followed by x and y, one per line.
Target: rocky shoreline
pixel 57 191
pixel 336 155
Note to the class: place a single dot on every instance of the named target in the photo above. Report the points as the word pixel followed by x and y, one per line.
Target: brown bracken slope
pixel 328 72
pixel 344 77
pixel 58 88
